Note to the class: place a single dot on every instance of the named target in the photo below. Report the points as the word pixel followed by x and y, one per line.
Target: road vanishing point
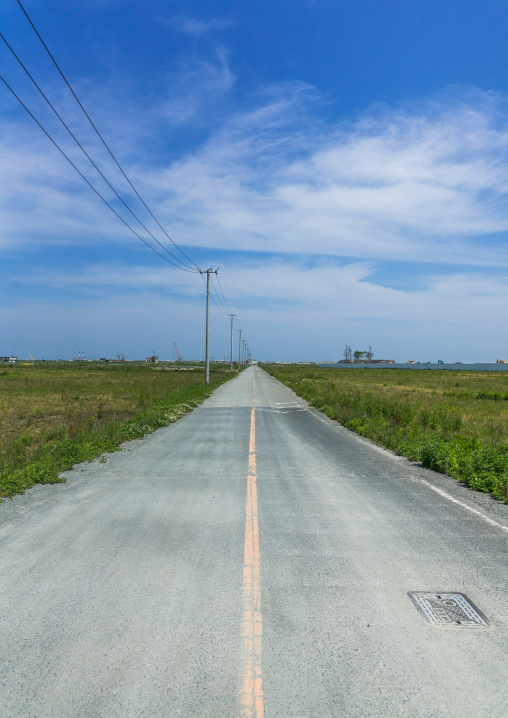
pixel 252 559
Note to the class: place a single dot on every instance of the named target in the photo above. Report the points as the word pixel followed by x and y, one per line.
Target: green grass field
pixel 455 422
pixel 54 416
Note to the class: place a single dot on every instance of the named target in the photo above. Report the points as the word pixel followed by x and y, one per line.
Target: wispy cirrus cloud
pixel 398 185
pixel 197 89
pixel 199 27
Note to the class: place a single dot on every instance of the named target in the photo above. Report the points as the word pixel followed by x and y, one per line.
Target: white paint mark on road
pixel 464 506
pixel 444 494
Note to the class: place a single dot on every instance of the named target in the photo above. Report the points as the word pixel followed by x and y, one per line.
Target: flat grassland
pixel 54 416
pixel 455 422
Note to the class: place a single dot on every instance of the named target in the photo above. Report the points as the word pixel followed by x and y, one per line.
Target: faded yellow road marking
pixel 251 679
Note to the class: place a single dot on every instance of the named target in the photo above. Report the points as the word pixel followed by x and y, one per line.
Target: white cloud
pixel 427 184
pixel 288 309
pixel 397 187
pixel 199 27
pixel 100 278
pixel 197 88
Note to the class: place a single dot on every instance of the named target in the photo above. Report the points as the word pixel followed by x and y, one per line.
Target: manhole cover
pixel 450 609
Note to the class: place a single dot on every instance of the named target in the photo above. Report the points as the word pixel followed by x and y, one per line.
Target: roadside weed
pixel 459 428
pixel 78 413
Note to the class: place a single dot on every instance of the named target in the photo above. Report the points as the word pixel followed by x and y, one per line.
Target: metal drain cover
pixel 448 609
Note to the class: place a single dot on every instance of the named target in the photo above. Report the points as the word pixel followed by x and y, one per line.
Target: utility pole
pixel 239 351
pixel 232 315
pixel 243 352
pixel 207 355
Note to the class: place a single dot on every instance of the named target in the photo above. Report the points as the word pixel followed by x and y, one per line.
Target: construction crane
pixel 177 354
pixel 31 356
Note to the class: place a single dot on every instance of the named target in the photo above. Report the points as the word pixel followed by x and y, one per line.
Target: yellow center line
pixel 251 679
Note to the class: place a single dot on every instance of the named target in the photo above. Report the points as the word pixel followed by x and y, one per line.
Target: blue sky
pixel 344 163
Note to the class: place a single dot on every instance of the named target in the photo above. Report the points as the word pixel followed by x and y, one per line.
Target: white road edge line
pixel 464 506
pixel 442 493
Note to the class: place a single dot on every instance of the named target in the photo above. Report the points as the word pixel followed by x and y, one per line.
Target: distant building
pixel 152 360
pixel 362 361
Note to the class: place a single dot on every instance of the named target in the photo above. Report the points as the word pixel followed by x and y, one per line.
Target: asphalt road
pixel 252 559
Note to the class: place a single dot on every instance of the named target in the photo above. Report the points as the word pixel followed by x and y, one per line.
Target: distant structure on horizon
pixel 363 361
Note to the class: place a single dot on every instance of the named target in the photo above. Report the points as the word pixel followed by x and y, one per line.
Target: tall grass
pixel 452 422
pixel 52 417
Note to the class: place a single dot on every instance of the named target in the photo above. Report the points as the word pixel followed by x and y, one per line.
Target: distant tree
pixel 358 355
pixel 348 353
pixel 369 354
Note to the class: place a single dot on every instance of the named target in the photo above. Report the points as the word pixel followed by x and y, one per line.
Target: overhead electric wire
pixel 224 309
pixel 102 139
pixel 218 306
pixel 177 259
pixel 211 293
pixel 222 301
pixel 88 182
pixel 217 294
pixel 221 291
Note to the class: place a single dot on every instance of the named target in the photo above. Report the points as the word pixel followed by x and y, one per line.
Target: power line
pixel 224 309
pixel 221 306
pixel 226 312
pixel 102 139
pixel 218 306
pixel 221 291
pixel 181 264
pixel 177 259
pixel 210 293
pixel 89 183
